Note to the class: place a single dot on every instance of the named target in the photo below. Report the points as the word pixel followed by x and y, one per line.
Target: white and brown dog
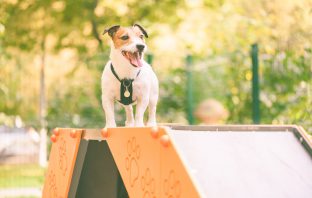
pixel 127 78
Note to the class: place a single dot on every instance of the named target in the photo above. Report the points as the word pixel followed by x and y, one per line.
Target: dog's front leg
pixel 129 116
pixel 139 114
pixel 108 106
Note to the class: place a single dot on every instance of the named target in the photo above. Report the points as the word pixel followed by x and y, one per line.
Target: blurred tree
pixel 71 32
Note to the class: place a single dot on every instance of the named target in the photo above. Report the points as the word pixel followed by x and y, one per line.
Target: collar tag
pixel 126 91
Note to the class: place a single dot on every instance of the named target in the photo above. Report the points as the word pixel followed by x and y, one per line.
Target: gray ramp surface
pixel 246 164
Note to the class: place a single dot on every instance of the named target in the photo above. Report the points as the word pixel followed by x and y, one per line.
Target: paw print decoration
pixel 172 186
pixel 52 184
pixel 132 165
pixel 148 185
pixel 62 156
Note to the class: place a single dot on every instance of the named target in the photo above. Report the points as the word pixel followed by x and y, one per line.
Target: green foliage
pixel 172 97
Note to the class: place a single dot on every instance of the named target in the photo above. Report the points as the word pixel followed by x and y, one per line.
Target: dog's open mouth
pixel 135 58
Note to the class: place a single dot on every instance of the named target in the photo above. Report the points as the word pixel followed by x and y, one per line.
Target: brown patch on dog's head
pixel 125 35
pixel 122 37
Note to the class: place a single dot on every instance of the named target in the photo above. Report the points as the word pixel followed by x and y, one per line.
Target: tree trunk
pixel 42 111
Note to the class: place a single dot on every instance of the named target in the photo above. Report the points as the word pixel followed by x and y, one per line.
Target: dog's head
pixel 129 41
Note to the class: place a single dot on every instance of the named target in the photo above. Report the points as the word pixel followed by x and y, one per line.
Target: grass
pixel 17 176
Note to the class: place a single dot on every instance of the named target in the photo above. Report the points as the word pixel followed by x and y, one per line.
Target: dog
pixel 127 78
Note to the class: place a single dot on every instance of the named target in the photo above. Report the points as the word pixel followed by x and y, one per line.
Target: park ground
pixel 21 181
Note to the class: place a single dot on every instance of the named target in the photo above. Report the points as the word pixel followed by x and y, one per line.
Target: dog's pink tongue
pixel 135 59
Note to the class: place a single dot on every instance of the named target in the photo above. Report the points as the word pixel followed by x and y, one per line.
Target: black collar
pixel 126 89
pixel 115 74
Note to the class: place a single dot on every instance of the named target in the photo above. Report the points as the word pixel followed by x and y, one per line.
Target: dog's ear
pixel 112 30
pixel 142 29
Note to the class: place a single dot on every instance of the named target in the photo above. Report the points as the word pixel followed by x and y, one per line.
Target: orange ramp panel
pixel 149 163
pixel 61 162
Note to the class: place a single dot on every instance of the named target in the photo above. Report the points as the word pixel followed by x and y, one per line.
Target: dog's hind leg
pixel 153 98
pixel 152 111
pixel 129 116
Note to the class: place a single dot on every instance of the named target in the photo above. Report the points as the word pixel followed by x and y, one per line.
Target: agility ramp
pixel 180 161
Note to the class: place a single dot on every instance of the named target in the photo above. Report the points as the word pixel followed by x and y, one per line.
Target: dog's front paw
pixel 110 125
pixel 151 124
pixel 139 124
pixel 129 123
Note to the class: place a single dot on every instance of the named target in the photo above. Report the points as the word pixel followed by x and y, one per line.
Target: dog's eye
pixel 141 36
pixel 126 37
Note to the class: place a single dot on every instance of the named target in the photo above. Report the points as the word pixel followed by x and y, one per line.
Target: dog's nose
pixel 140 47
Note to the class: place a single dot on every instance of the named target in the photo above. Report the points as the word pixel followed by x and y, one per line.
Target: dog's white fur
pixel 145 87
